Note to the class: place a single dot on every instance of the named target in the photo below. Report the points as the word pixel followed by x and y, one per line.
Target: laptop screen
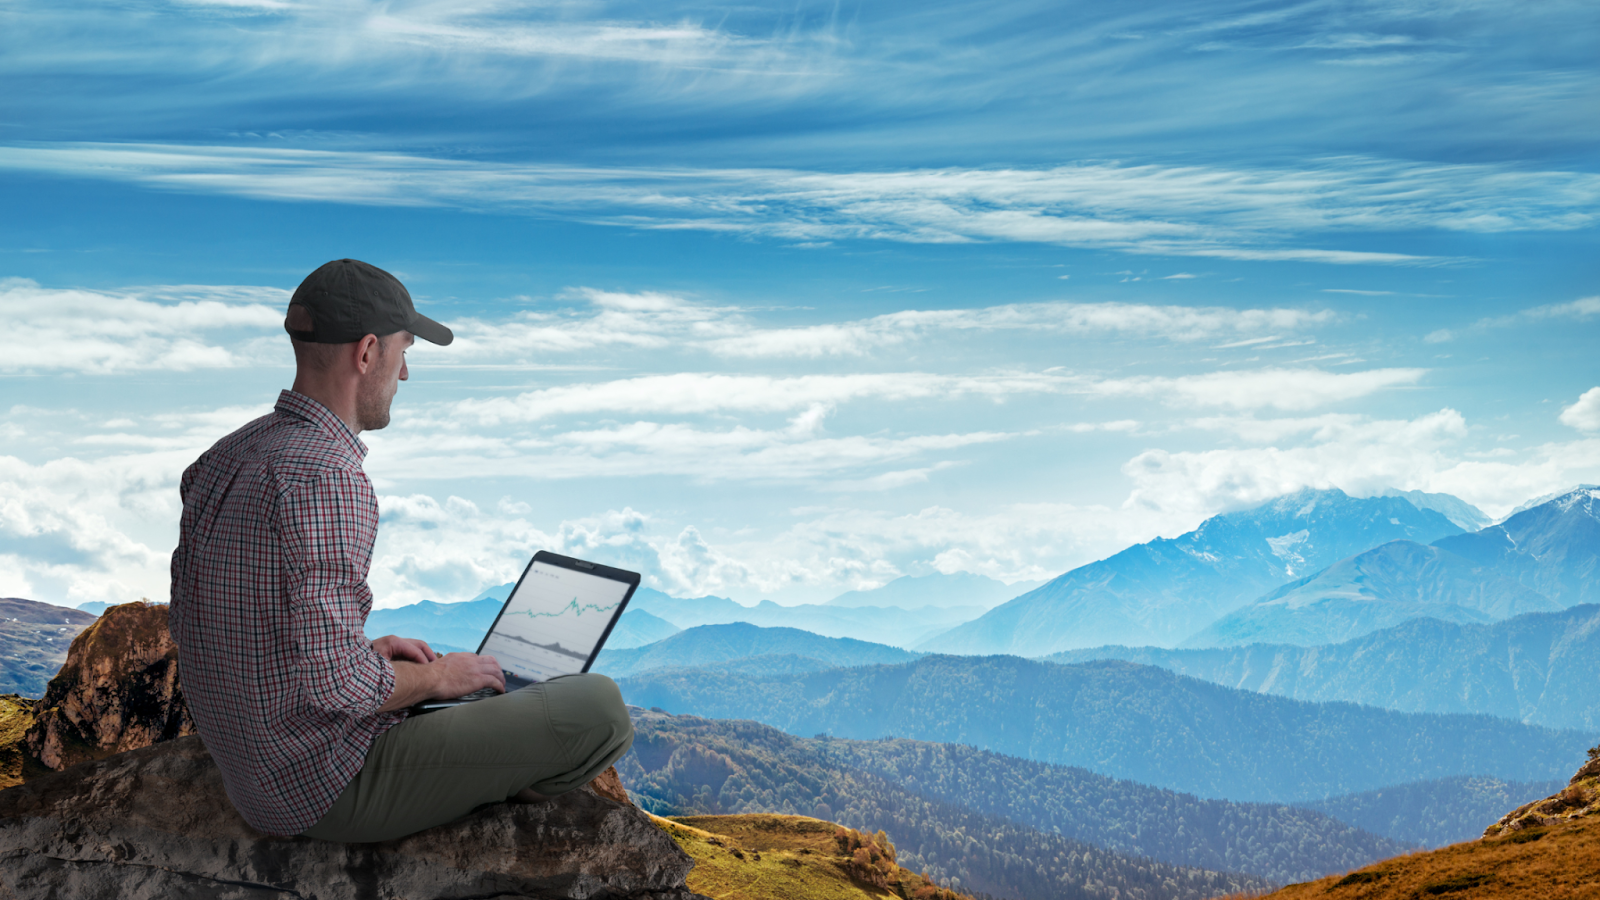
pixel 551 625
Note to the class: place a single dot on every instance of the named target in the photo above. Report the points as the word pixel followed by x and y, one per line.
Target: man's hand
pixel 463 673
pixel 395 648
pixel 450 675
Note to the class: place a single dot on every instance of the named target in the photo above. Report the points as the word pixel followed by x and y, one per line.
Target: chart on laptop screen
pixel 553 622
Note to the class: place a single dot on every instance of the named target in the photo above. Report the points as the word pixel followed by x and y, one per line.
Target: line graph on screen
pixel 573 608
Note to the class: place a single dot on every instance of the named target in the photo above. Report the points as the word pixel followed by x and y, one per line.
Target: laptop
pixel 554 623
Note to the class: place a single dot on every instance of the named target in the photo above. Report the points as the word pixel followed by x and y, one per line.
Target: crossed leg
pixel 548 738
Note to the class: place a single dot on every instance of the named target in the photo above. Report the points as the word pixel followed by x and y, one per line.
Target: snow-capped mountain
pixel 1161 592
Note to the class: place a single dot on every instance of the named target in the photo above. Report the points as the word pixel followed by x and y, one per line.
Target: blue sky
pixel 785 300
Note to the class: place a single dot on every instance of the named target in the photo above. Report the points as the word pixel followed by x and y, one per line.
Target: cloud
pixel 1584 415
pixel 450 549
pixel 1359 455
pixel 796 454
pixel 658 320
pixel 1285 389
pixel 688 393
pixel 163 328
pixel 1178 323
pixel 1190 210
pixel 1585 308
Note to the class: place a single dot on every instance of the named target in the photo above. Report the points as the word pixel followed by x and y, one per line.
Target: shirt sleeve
pixel 329 526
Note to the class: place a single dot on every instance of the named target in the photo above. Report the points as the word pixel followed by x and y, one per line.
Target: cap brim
pixel 430 331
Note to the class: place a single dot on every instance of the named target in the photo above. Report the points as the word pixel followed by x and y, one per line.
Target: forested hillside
pixel 1539 668
pixel 685 766
pixel 1272 840
pixel 1129 721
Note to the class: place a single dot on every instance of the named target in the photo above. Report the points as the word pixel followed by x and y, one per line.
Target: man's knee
pixel 589 700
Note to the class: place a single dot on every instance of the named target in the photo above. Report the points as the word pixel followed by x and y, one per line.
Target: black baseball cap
pixel 349 299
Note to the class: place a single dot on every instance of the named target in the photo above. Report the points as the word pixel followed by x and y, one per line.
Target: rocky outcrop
pixel 155 823
pixel 117 691
pixel 1580 798
pixel 141 812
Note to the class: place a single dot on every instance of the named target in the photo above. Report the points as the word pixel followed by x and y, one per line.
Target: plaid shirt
pixel 269 597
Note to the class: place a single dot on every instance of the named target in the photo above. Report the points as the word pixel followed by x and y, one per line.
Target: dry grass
pixel 772 857
pixel 16 714
pixel 1561 862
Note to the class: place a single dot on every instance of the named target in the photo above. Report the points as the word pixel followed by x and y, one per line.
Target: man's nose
pixel 404 373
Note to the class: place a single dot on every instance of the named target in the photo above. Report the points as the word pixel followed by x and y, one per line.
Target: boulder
pixel 118 690
pixel 156 823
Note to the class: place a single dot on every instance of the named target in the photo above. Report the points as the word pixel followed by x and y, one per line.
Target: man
pixel 302 713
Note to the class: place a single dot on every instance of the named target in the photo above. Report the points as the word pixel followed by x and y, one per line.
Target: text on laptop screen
pixel 553 622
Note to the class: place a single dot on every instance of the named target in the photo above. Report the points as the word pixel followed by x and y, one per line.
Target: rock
pixel 608 784
pixel 118 690
pixel 155 823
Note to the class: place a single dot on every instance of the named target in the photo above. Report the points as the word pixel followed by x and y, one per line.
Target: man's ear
pixel 366 353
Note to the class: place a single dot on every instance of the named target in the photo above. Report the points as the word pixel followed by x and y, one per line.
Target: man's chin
pixel 374 420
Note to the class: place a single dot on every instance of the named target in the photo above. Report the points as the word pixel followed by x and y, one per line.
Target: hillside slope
pixel 767 857
pixel 1376 589
pixel 1545 850
pixel 1128 721
pixel 692 767
pixel 1539 668
pixel 34 638
pixel 1165 590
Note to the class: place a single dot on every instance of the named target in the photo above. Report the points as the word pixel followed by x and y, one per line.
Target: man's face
pixel 378 386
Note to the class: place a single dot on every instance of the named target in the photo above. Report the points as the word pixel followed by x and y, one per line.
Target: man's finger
pixel 427 652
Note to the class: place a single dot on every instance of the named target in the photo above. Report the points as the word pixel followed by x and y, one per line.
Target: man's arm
pixel 328 526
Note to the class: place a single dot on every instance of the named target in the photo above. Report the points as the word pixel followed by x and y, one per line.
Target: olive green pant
pixel 552 737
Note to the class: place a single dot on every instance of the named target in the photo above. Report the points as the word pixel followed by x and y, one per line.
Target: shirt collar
pixel 301 406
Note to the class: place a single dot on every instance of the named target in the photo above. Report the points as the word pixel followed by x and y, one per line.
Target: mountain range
pixel 709 645
pixel 1539 668
pixel 1163 591
pixel 1127 721
pixel 1543 558
pixel 1380 588
pixel 1437 812
pixel 1049 828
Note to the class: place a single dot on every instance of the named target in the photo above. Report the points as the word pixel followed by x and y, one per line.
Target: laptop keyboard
pixel 479 694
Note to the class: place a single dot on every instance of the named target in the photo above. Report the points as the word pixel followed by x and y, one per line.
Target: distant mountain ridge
pixel 1127 721
pixel 1464 514
pixel 888 625
pixel 707 645
pixel 962 589
pixel 1552 548
pixel 1539 668
pixel 1381 588
pixel 1163 591
pixel 1434 813
pixel 1544 558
